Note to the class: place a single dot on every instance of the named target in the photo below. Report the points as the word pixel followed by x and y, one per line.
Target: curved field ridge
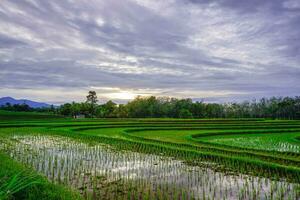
pixel 260 147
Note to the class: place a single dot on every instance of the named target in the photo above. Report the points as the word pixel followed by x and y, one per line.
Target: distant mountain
pixel 32 104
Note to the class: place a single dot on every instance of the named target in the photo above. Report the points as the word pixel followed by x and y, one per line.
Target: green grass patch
pixel 19 182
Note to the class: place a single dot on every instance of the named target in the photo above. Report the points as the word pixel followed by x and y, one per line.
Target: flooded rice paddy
pixel 274 142
pixel 102 172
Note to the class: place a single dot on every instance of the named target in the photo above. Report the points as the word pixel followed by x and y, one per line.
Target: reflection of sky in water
pixel 65 157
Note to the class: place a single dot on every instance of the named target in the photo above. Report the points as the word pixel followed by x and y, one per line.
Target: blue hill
pixel 32 104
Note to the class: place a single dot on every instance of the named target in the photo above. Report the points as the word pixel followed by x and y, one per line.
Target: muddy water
pixel 102 172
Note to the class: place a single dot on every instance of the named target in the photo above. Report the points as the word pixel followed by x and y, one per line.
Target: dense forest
pixel 159 107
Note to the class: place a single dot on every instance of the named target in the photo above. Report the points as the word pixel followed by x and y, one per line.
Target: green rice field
pixel 59 158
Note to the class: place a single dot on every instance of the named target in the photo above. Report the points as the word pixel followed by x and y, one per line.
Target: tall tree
pixel 92 97
pixel 91 100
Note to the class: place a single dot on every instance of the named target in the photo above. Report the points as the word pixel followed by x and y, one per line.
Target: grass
pixel 264 148
pixel 19 182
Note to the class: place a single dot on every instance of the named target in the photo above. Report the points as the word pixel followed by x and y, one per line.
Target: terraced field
pixel 160 158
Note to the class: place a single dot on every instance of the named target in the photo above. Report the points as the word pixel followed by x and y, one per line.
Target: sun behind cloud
pixel 122 95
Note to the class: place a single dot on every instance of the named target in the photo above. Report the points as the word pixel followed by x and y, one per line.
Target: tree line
pixel 166 107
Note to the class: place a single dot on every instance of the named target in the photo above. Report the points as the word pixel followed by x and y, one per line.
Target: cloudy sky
pixel 224 50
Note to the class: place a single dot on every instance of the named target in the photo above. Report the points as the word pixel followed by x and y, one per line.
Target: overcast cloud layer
pixel 225 50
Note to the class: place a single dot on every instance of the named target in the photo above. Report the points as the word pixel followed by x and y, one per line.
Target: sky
pixel 212 50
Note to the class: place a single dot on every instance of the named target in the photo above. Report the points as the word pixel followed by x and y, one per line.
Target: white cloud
pixel 172 47
pixel 293 4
